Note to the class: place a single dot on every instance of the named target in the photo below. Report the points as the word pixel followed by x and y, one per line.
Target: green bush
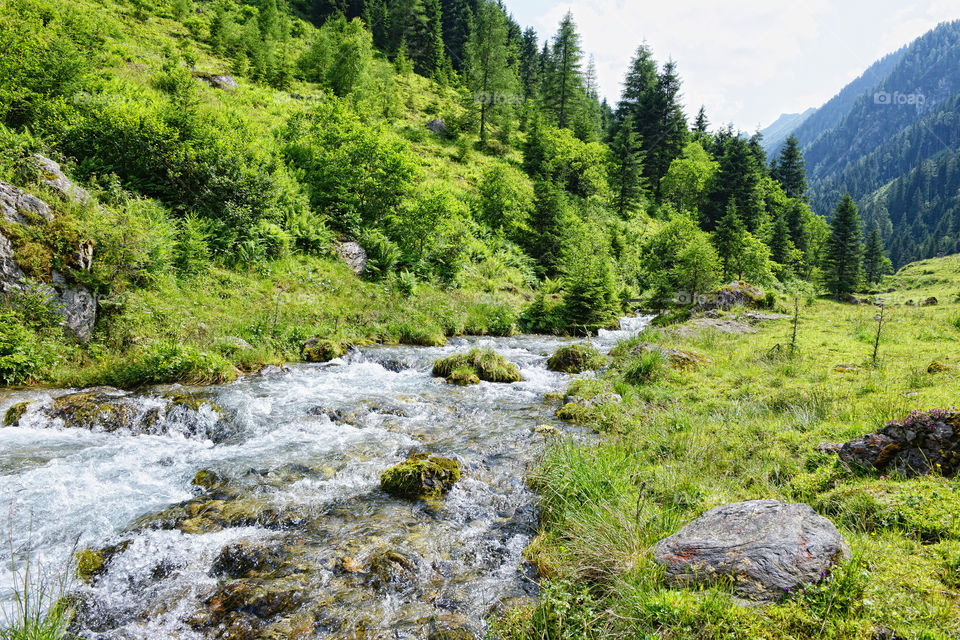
pixel 645 368
pixel 491 319
pixel 418 333
pixel 22 356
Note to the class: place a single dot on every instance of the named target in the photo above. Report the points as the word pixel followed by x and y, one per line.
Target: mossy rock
pixel 14 413
pixel 937 367
pixel 463 377
pixel 576 358
pixel 89 564
pixel 92 409
pixel 192 402
pixel 546 430
pixel 575 412
pixel 319 350
pixel 422 476
pixel 486 364
pixel 208 480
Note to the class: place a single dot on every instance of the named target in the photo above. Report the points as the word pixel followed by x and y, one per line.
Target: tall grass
pixel 38 608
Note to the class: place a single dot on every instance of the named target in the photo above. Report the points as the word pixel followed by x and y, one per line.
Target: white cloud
pixel 746 60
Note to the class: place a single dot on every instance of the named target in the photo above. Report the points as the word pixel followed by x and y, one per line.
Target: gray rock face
pixel 17 205
pixel 52 176
pixel 925 442
pixel 75 303
pixel 764 548
pixel 437 126
pixel 354 255
pixel 223 82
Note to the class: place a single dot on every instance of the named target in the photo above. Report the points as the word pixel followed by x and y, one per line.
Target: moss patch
pixel 89 564
pixel 576 358
pixel 484 363
pixel 422 476
pixel 318 350
pixel 14 413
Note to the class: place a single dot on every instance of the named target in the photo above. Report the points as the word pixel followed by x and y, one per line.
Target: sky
pixel 747 61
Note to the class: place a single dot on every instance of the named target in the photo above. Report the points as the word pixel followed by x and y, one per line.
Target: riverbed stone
pixel 421 476
pixel 923 443
pixel 763 548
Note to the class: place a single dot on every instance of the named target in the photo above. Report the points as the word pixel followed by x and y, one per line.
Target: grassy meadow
pixel 745 424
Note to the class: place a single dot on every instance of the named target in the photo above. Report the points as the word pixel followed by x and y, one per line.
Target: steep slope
pixel 885 139
pixel 775 135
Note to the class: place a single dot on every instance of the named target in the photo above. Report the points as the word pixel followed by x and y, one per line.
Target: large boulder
pixel 481 364
pixel 925 442
pixel 223 82
pixel 437 126
pixel 20 207
pixel 735 294
pixel 576 358
pixel 762 548
pixel 353 255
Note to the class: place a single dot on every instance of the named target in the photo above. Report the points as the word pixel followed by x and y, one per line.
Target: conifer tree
pixel 843 262
pixel 530 65
pixel 457 25
pixel 781 247
pixel 789 169
pixel 626 176
pixel 701 125
pixel 729 238
pixel 436 59
pixel 564 80
pixel 875 262
pixel 490 76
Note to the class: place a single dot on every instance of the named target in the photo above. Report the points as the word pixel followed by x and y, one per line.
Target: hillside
pixel 775 135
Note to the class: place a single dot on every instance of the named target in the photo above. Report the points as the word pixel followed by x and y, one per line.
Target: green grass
pixel 745 425
pixel 39 608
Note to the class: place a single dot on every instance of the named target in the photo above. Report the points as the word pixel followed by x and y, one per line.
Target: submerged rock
pixel 484 363
pixel 925 442
pixel 576 358
pixel 422 476
pixel 763 548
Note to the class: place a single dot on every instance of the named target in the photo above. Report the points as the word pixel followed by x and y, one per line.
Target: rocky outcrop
pixel 353 255
pixel 925 442
pixel 52 176
pixel 75 303
pixel 930 302
pixel 763 548
pixel 422 476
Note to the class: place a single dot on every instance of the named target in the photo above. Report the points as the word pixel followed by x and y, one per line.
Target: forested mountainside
pixel 884 136
pixel 245 141
pixel 777 133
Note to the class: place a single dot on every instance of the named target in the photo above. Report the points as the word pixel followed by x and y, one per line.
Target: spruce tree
pixel 435 61
pixel 789 169
pixel 490 76
pixel 875 262
pixel 701 125
pixel 626 176
pixel 729 238
pixel 564 80
pixel 843 263
pixel 530 65
pixel 781 248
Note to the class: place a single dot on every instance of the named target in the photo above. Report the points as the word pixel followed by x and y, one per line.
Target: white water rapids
pixel 313 440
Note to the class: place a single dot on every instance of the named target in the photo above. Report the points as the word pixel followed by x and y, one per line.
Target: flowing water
pixel 312 547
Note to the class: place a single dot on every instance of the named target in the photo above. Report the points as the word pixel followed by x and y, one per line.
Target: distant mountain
pixel 777 133
pixel 890 140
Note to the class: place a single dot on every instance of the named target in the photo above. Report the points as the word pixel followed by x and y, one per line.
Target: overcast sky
pixel 748 61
